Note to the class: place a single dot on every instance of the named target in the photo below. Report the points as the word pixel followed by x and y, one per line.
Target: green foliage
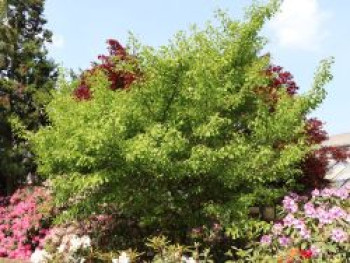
pixel 26 78
pixel 191 141
pixel 174 253
pixel 3 8
pixel 248 229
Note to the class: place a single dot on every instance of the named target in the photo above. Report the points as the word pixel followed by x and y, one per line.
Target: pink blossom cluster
pixel 324 218
pixel 23 222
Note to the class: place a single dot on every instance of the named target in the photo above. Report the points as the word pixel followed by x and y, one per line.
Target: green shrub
pixel 189 141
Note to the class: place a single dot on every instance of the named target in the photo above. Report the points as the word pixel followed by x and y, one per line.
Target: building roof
pixel 339 173
pixel 338 140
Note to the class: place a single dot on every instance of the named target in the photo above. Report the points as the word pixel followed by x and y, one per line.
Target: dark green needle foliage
pixel 26 78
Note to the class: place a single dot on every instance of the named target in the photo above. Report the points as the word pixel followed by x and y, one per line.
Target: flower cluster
pixel 316 227
pixel 40 256
pixel 63 245
pixel 123 258
pixel 24 219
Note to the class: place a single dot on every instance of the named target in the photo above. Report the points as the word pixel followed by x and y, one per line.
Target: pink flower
pixel 277 229
pixel 265 240
pixel 315 250
pixel 289 220
pixel 315 193
pixel 337 212
pixel 290 205
pixel 338 235
pixel 284 241
pixel 309 209
pixel 327 192
pixel 323 216
pixel 305 233
pixel 342 193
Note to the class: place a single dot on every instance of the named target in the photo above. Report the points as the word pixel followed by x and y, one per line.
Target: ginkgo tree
pixel 194 137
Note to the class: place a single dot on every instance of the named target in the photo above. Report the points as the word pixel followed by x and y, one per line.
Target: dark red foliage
pixel 315 131
pixel 281 78
pixel 116 49
pixel 82 92
pixel 119 78
pixel 316 164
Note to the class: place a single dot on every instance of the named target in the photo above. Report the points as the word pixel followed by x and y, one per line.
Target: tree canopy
pixel 195 136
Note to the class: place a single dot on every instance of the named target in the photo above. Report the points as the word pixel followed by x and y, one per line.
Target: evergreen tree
pixel 26 78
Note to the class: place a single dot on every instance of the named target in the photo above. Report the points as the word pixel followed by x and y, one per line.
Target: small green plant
pixel 176 253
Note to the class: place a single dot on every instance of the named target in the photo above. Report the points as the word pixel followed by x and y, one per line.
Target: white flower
pixel 115 260
pixel 40 256
pixel 66 239
pixel 85 242
pixel 123 258
pixel 75 243
pixel 61 248
pixel 188 259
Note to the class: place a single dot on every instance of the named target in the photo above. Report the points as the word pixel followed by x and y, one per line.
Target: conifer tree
pixel 26 78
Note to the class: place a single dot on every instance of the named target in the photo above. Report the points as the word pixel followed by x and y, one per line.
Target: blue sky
pixel 300 36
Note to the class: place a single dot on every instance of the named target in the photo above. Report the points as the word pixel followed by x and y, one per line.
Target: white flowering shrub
pixel 63 245
pixel 40 256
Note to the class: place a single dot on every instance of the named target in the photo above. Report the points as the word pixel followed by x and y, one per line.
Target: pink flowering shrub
pixel 315 228
pixel 24 221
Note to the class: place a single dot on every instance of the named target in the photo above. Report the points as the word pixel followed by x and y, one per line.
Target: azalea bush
pixel 315 228
pixel 25 219
pixel 193 139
